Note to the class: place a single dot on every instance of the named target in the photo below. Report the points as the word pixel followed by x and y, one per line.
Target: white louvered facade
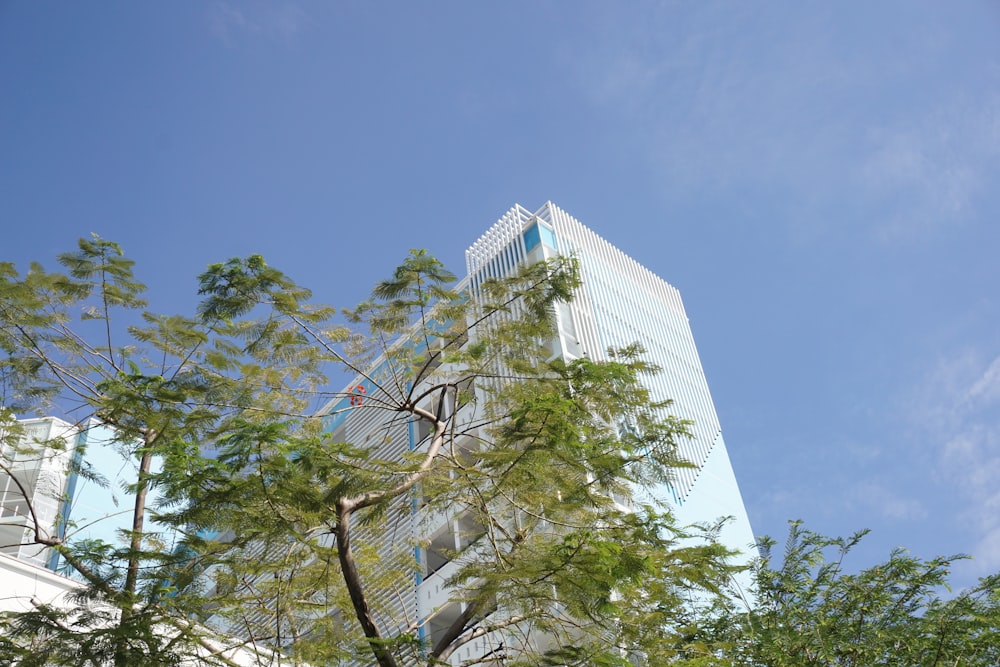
pixel 620 303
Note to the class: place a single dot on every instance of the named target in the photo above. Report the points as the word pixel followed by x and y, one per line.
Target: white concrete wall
pixel 21 583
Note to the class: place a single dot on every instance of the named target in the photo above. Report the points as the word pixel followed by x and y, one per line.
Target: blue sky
pixel 820 180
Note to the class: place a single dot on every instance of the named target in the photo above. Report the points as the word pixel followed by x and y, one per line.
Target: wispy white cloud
pixel 275 20
pixel 933 166
pixel 798 103
pixel 987 387
pixel 958 407
pixel 987 552
pixel 881 500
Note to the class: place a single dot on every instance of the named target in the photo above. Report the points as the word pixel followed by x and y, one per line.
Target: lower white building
pixel 35 483
pixel 26 587
pixel 41 485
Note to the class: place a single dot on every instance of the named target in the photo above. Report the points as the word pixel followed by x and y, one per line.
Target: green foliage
pixel 274 532
pixel 811 611
pixel 287 535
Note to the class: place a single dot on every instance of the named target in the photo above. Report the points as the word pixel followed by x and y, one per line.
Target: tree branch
pixel 355 588
pixel 437 441
pixel 480 631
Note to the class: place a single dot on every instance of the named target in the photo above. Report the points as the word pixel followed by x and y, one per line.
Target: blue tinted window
pixel 548 237
pixel 536 234
pixel 531 238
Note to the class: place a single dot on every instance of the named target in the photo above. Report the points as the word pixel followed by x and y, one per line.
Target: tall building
pixel 620 303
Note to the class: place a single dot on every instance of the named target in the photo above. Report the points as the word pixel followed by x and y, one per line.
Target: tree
pixel 274 527
pixel 811 611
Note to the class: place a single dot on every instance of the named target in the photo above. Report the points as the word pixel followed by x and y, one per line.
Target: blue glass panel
pixel 531 238
pixel 548 237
